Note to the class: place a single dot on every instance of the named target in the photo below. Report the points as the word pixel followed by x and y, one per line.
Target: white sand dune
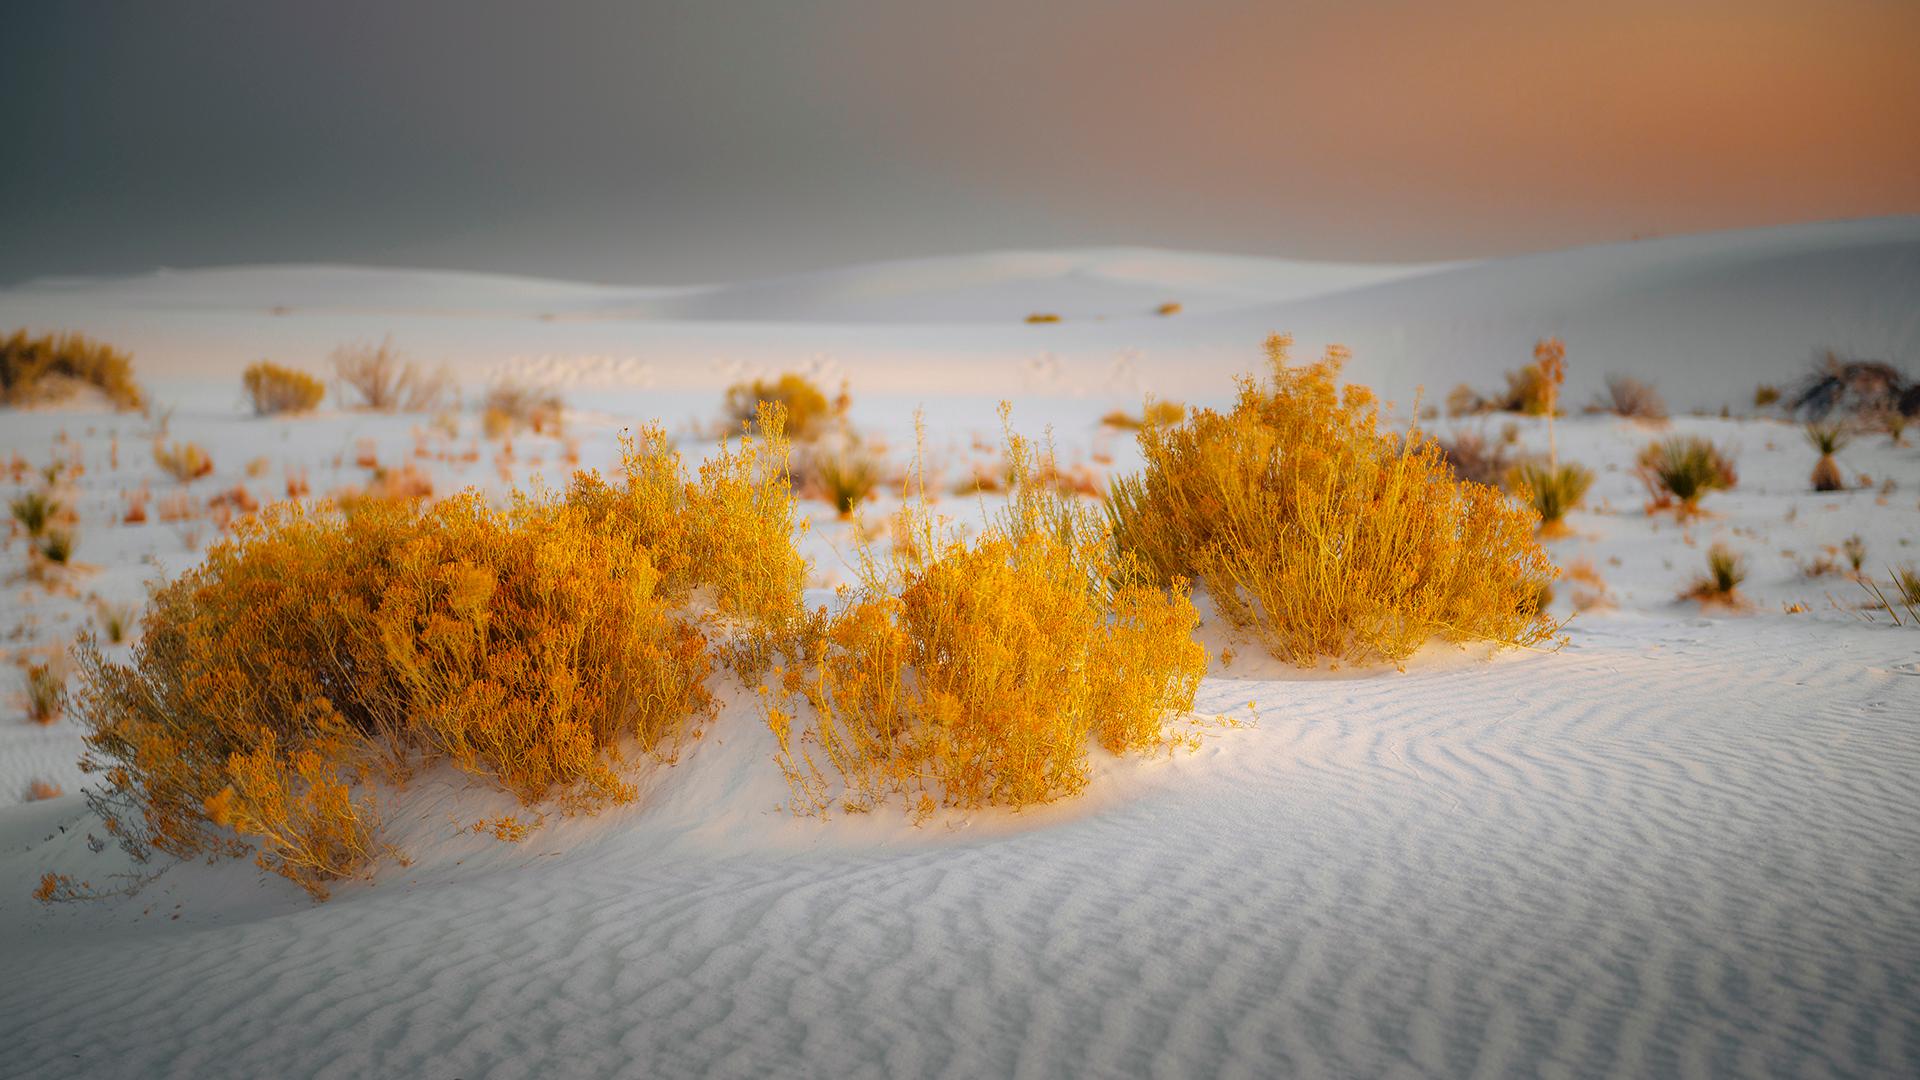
pixel 1685 844
pixel 1707 316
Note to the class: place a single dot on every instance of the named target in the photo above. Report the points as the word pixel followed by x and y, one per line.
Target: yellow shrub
pixel 1326 536
pixel 275 389
pixel 49 367
pixel 730 531
pixel 975 674
pixel 524 645
pixel 807 410
pixel 184 462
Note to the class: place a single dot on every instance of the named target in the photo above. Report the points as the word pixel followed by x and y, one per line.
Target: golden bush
pixel 1324 535
pixel 274 389
pixel 805 406
pixel 524 645
pixel 975 674
pixel 51 366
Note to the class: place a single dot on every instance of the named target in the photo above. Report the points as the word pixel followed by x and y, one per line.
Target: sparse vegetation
pixel 974 674
pixel 1041 317
pixel 380 380
pixel 1829 439
pixel 114 620
pixel 1551 490
pixel 1765 396
pixel 39 790
pixel 184 461
pixel 1325 535
pixel 844 475
pixel 1726 569
pixel 1171 307
pixel 56 546
pixel 273 389
pixel 512 406
pixel 1630 398
pixel 1680 471
pixel 54 366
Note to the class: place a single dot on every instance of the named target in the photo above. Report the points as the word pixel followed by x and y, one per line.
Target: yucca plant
pixel 847 478
pixel 116 620
pixel 57 546
pixel 1829 439
pixel 1726 569
pixel 33 510
pixel 1551 490
pixel 1684 468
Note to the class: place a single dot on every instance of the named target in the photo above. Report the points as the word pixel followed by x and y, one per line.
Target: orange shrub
pixel 1325 535
pixel 529 645
pixel 975 674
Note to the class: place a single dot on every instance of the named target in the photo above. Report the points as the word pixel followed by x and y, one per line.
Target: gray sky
pixel 715 139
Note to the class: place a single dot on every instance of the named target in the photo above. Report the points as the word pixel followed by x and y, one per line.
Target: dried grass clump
pixel 1765 395
pixel 1829 439
pixel 974 674
pixel 39 789
pixel 1629 397
pixel 1039 318
pixel 1552 491
pixel 512 406
pixel 53 366
pixel 1325 535
pixel 1472 456
pixel 383 382
pixel 184 461
pixel 525 645
pixel 1726 569
pixel 116 621
pixel 807 409
pixel 273 389
pixel 1154 413
pixel 1683 469
pixel 46 692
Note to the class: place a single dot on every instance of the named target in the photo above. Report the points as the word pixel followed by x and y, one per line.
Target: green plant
pixel 1325 535
pixel 115 620
pixel 274 389
pixel 1551 490
pixel 56 546
pixel 34 510
pixel 1684 468
pixel 1726 569
pixel 1829 439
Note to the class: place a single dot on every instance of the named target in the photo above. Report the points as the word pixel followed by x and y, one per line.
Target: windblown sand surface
pixel 1686 843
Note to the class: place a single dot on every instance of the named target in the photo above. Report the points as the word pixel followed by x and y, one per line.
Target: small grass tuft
pixel 1726 569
